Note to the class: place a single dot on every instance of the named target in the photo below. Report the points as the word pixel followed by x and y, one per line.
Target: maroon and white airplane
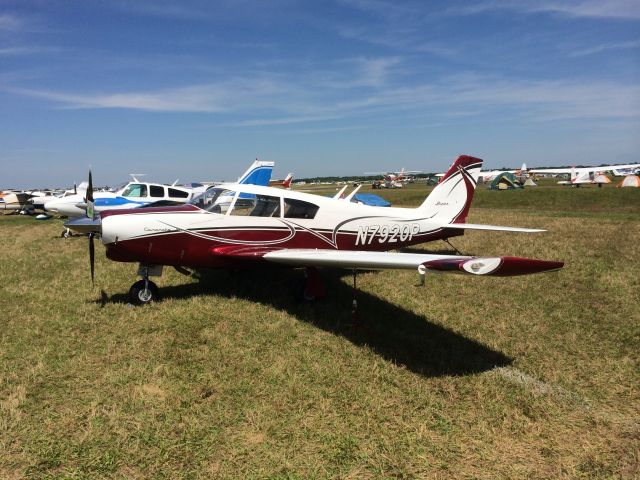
pixel 241 226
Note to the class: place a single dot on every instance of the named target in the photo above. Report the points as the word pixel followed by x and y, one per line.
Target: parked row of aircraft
pixel 249 224
pixel 576 175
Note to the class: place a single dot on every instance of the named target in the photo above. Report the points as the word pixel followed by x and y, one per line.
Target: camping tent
pixel 505 181
pixel 630 181
pixel 601 178
pixel 530 183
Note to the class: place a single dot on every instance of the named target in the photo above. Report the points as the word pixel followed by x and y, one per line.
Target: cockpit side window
pixel 135 190
pixel 299 209
pixel 175 193
pixel 156 191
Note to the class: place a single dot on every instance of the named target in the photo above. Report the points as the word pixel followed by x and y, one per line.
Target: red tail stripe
pixel 462 161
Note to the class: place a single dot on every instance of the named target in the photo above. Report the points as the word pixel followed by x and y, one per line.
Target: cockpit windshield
pixel 216 200
pixel 135 190
pixel 221 200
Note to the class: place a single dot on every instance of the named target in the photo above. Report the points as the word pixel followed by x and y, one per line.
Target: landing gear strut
pixel 314 286
pixel 355 317
pixel 66 233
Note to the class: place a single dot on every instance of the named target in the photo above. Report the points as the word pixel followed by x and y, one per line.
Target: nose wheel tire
pixel 141 294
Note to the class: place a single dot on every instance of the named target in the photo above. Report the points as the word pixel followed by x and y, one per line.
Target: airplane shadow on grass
pixel 396 334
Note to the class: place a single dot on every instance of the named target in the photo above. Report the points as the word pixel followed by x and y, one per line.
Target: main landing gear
pixel 314 290
pixel 145 291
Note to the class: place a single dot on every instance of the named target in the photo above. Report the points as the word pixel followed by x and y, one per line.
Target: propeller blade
pixel 90 188
pixel 92 257
pixel 89 197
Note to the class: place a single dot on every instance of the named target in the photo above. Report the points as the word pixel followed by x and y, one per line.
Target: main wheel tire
pixel 65 233
pixel 138 295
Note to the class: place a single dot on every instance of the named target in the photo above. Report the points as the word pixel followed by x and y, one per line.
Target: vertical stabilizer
pixel 259 173
pixel 451 198
pixel 287 181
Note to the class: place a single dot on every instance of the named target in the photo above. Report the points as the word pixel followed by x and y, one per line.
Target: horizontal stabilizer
pixel 495 228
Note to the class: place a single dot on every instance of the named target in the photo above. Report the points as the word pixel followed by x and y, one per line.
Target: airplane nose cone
pixel 51 207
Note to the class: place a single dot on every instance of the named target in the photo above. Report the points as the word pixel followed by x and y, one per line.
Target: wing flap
pixel 493 228
pixel 353 259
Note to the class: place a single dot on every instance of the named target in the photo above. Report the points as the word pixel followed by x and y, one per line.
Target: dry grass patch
pixel 230 377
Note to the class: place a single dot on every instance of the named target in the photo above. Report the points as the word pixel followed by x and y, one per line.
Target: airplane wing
pixel 493 228
pixel 495 266
pixel 601 168
pixel 553 170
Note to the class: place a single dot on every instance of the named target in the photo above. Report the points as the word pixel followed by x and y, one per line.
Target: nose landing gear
pixel 145 291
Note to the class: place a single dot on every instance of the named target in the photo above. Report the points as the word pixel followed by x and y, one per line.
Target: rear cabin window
pixel 135 190
pixel 175 193
pixel 156 191
pixel 299 209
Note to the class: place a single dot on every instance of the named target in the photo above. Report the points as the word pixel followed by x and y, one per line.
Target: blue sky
pixel 198 89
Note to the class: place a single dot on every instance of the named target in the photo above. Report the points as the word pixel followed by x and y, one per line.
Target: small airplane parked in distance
pixel 15 201
pixel 394 179
pixel 263 226
pixel 286 183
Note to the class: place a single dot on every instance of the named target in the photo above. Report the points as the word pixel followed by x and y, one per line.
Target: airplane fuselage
pixel 194 237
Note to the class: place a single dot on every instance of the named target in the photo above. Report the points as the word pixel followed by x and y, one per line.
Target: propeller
pixel 90 214
pixel 92 257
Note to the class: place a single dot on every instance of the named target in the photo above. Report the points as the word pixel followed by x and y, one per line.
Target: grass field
pixel 230 377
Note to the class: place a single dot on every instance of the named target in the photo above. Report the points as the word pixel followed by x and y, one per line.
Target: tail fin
pixel 259 173
pixel 287 181
pixel 451 198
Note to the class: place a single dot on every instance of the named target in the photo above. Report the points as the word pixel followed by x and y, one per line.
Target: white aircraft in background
pixel 585 175
pixel 67 204
pixel 15 201
pixel 40 201
pixel 138 194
